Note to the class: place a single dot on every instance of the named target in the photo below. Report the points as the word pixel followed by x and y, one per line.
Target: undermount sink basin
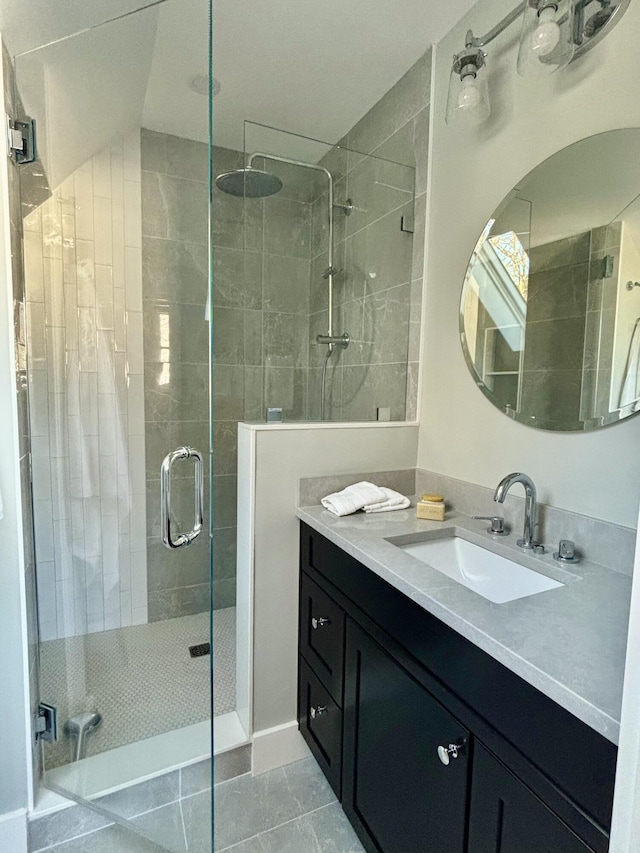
pixel 495 578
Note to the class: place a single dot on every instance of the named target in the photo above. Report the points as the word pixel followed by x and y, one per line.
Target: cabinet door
pixel 397 793
pixel 506 817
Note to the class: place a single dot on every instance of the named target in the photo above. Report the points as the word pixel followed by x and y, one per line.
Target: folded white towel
pixel 394 500
pixel 353 498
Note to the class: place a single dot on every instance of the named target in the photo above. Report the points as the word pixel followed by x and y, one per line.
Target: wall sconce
pixel 554 32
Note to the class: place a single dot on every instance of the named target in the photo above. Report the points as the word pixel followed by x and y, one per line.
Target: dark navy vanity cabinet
pixel 429 743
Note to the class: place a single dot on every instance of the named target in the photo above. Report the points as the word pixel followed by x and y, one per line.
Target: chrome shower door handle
pixel 165 497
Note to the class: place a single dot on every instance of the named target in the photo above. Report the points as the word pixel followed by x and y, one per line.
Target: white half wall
pixel 462 435
pixel 282 455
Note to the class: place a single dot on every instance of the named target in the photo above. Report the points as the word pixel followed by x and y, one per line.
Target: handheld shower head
pixel 79 728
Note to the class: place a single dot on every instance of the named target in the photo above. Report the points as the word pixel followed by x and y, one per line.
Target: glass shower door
pixel 116 249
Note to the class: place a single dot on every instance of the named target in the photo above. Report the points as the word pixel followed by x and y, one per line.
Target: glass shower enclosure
pixel 325 254
pixel 116 236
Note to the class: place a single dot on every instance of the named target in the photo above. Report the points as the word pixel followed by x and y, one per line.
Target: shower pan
pixel 250 182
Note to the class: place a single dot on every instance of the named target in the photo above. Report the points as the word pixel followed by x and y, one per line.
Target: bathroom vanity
pixel 447 722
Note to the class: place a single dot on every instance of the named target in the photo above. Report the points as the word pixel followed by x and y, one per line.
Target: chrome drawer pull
pixel 319 623
pixel 320 711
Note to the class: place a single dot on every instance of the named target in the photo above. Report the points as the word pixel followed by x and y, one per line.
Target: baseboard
pixel 276 747
pixel 13 831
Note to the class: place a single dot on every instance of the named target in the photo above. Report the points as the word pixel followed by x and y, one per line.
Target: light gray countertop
pixel 568 642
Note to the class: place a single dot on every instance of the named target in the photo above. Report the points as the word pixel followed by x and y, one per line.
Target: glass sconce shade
pixel 468 97
pixel 546 39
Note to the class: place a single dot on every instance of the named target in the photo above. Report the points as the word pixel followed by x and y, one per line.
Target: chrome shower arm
pixel 289 161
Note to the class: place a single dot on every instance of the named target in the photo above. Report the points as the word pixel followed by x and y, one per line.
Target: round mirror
pixel 550 309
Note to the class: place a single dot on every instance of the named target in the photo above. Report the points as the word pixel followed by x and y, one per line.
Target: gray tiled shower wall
pixel 19 307
pixel 379 292
pixel 569 328
pixel 176 354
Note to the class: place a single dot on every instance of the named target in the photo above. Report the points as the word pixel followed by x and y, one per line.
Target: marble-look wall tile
pixel 175 271
pixel 180 601
pixel 224 497
pixel 224 543
pixel 176 352
pixel 172 208
pixel 286 388
pixel 286 340
pixel 333 391
pixel 177 156
pixel 237 278
pixel 561 253
pixel 369 387
pixel 286 284
pixel 224 592
pixel 287 227
pixel 378 255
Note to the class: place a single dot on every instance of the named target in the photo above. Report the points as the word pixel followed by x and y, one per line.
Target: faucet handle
pixel 497 527
pixel 566 552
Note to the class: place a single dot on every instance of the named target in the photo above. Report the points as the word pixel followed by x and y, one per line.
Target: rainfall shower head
pixel 249 182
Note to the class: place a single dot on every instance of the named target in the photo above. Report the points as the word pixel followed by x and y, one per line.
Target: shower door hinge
pixel 46 723
pixel 22 140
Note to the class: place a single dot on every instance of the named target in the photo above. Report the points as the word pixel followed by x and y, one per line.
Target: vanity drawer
pixel 320 722
pixel 322 625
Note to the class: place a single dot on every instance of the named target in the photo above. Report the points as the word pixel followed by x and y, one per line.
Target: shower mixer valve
pixel 341 340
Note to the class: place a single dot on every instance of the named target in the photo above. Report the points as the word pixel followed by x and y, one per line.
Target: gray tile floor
pixel 141 679
pixel 288 810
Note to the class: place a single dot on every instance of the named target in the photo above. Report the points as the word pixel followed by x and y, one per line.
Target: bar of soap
pixel 431 508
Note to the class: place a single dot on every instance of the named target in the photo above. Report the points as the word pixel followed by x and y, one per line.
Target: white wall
pixel 461 433
pixel 625 832
pixel 283 455
pixel 13 682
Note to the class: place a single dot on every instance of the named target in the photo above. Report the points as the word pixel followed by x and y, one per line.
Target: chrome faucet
pixel 530 507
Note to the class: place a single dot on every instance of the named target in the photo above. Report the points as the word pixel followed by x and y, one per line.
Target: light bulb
pixel 469 95
pixel 547 34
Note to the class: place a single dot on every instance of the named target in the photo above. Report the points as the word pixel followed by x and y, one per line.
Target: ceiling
pixel 311 67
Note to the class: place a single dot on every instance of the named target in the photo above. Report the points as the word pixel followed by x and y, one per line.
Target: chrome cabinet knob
pixel 446 753
pixel 320 622
pixel 320 711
